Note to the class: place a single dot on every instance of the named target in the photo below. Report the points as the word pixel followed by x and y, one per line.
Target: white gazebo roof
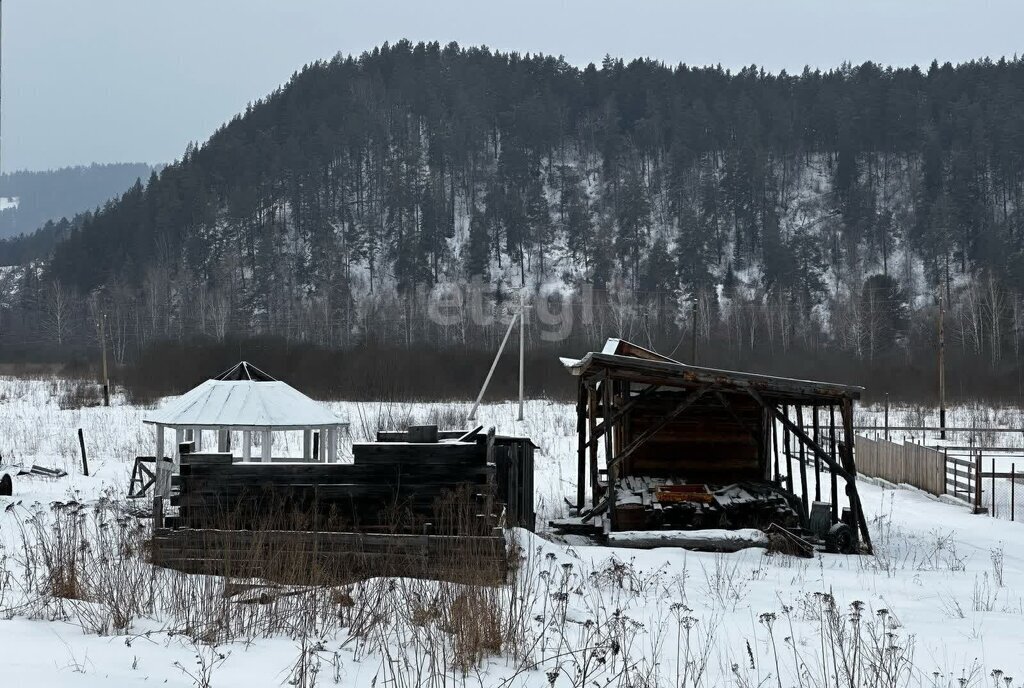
pixel 244 397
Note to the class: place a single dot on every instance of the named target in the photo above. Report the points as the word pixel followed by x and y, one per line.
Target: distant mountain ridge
pixel 63 193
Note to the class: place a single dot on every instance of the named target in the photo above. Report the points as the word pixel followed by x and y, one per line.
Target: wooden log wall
pixel 710 442
pixel 907 463
pixel 512 460
pixel 392 487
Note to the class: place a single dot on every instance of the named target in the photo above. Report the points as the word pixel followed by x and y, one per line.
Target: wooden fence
pixel 902 463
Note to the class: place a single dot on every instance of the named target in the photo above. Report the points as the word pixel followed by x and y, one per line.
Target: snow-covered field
pixel 940 604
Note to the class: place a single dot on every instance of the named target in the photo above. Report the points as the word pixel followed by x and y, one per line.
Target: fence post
pixel 887 416
pixel 993 486
pixel 945 472
pixel 977 483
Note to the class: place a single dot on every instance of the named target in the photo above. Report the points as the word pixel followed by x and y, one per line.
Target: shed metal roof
pixel 627 361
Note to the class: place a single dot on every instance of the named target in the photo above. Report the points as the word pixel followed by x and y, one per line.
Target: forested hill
pixel 56 194
pixel 823 209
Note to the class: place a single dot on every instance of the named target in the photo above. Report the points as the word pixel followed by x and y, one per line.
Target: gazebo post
pixel 197 437
pixel 266 446
pixel 307 444
pixel 322 446
pixel 332 441
pixel 247 445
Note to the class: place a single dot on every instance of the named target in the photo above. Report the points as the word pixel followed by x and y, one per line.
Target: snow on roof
pixel 262 402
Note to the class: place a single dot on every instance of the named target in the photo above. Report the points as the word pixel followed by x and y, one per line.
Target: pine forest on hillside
pixel 816 220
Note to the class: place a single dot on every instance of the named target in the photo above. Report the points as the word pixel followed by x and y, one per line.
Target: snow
pixel 943 589
pixel 7 202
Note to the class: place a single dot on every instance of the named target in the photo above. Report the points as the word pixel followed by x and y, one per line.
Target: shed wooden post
pixel 307 444
pixel 803 464
pixel 581 439
pixel 266 446
pixel 322 449
pixel 832 453
pixel 609 452
pixel 592 438
pixel 197 437
pixel 247 445
pixel 817 459
pixel 222 439
pixel 787 450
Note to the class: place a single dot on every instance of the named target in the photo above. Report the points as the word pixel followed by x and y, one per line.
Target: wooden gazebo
pixel 655 416
pixel 234 406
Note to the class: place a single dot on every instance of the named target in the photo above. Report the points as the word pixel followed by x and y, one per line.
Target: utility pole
pixel 517 318
pixel 522 346
pixel 942 369
pixel 693 340
pixel 103 346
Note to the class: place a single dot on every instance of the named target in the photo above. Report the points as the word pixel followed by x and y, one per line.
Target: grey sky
pixel 135 80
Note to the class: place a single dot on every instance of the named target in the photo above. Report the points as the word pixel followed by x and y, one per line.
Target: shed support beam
pixel 307 445
pixel 197 437
pixel 247 445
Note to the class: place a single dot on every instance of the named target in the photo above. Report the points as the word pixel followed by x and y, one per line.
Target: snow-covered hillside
pixel 939 604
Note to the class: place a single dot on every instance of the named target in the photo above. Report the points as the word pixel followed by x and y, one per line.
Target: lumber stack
pixel 322 558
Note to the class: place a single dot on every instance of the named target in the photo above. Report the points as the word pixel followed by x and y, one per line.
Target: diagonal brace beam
pixel 654 429
pixel 799 432
pixel 618 415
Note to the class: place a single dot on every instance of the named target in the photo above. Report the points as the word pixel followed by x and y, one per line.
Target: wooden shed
pixel 671 434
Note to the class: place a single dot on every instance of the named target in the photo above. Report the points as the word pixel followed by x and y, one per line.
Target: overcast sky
pixel 135 80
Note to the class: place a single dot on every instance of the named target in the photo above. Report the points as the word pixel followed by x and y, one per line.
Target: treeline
pixel 443 347
pixel 817 216
pixel 52 195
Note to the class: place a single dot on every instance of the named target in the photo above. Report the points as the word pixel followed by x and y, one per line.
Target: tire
pixel 839 539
